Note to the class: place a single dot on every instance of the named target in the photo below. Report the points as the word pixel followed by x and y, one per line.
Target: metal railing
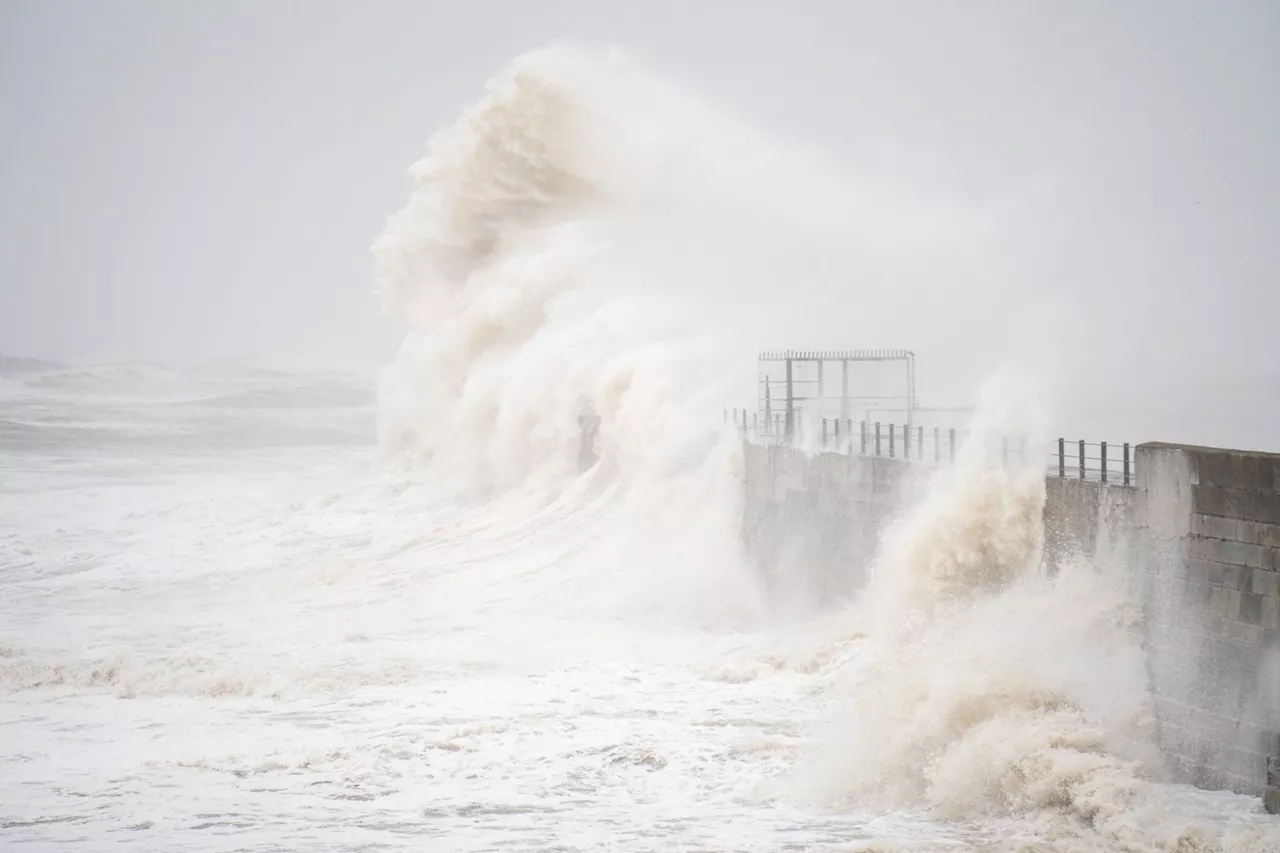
pixel 1086 460
pixel 1082 460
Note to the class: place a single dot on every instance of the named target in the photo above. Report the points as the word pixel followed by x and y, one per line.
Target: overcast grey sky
pixel 202 180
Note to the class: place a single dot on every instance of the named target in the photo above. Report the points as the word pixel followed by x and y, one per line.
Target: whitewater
pixel 263 609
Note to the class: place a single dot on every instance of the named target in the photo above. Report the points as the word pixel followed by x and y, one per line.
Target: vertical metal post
pixel 953 444
pixel 1082 459
pixel 906 442
pixel 791 397
pixel 838 447
pixel 824 433
pixel 844 388
pixel 1062 457
pixel 744 423
pixel 1103 459
pixel 877 438
pixel 755 426
pixel 768 406
pixel 911 387
pixel 822 392
pixel 892 430
pixel 937 444
pixel 1126 463
pixel 920 443
pixel 863 428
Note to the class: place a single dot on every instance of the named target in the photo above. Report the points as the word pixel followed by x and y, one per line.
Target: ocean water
pixel 253 609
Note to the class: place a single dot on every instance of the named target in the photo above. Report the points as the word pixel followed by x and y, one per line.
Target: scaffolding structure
pixel 794 381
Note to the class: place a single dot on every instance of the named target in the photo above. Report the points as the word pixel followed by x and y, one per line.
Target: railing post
pixel 755 427
pixel 1103 456
pixel 862 427
pixel 877 438
pixel 953 444
pixel 1082 459
pixel 1062 458
pixel 837 425
pixel 824 433
pixel 937 444
pixel 906 442
pixel 920 443
pixel 1126 463
pixel 892 430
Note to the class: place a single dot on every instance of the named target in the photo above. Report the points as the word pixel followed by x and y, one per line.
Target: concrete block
pixel 1224 603
pixel 1206 549
pixel 1235 470
pixel 1245 554
pixel 1231 576
pixel 1257 533
pixel 1270 615
pixel 1271 799
pixel 1265 582
pixel 1251 610
pixel 1236 503
pixel 1215 527
pixel 1200 570
pixel 1244 579
pixel 1229 552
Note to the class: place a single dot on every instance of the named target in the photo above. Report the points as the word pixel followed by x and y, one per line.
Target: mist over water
pixel 432 617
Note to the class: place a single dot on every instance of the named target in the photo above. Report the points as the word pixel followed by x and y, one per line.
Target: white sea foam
pixel 502 639
pixel 989 689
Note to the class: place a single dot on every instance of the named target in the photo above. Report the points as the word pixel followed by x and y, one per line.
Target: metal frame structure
pixel 796 389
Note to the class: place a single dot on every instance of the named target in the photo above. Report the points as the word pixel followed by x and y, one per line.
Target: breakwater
pixel 1195 536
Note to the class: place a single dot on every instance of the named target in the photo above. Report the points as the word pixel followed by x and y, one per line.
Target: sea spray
pixel 564 249
pixel 541 271
pixel 557 342
pixel 989 689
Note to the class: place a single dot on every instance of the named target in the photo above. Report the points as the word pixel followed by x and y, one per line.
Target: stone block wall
pixel 812 523
pixel 1197 541
pixel 1210 585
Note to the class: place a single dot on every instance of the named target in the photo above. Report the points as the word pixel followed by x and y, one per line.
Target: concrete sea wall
pixel 1196 539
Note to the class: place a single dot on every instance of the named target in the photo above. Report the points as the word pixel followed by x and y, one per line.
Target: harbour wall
pixel 1196 539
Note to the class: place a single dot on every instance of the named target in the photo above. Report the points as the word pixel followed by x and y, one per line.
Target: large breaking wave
pixel 522 268
pixel 554 266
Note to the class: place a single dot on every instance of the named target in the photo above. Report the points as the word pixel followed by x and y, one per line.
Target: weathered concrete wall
pixel 812 522
pixel 1197 540
pixel 1210 534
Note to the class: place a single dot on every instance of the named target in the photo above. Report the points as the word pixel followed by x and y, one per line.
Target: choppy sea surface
pixel 222 627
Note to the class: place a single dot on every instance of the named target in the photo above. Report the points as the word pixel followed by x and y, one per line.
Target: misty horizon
pixel 1087 191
